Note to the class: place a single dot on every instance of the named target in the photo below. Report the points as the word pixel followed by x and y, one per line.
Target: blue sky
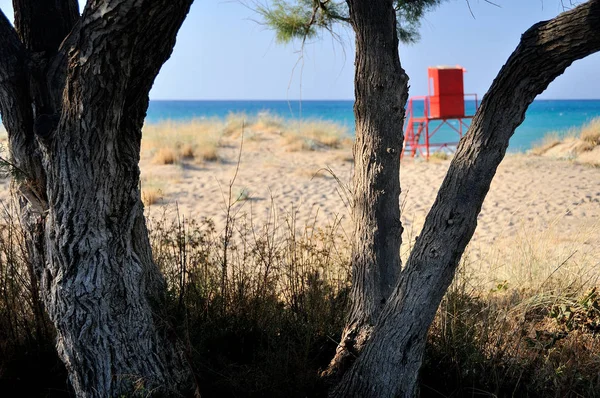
pixel 223 53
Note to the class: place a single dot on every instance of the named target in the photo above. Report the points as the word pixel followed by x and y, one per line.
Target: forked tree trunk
pixel 390 362
pixel 381 91
pixel 74 112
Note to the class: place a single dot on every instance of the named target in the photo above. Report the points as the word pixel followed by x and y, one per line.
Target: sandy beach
pixel 545 201
pixel 530 195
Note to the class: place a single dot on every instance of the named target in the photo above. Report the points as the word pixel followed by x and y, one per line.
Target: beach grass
pixel 529 326
pixel 310 135
pixel 151 196
pixel 590 134
pixel 547 260
pixel 165 155
pixel 152 190
pixel 235 123
pixel 268 123
pixel 578 144
pixel 549 141
pixel 170 142
pixel 439 156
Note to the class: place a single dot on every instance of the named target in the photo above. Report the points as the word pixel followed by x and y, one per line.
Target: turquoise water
pixel 542 117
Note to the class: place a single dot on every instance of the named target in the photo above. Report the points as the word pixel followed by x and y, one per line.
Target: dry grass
pixel 165 156
pixel 305 135
pixel 439 156
pixel 234 124
pixel 590 134
pixel 170 142
pixel 311 135
pixel 296 143
pixel 575 144
pixel 268 123
pixel 152 191
pixel 187 151
pixel 547 259
pixel 521 316
pixel 549 141
pixel 263 312
pixel 151 196
pixel 208 153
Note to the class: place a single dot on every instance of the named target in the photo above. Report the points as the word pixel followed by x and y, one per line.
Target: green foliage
pixel 512 342
pixel 580 314
pixel 301 18
pixel 409 16
pixel 291 19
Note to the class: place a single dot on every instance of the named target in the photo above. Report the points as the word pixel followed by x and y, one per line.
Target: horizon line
pixel 320 99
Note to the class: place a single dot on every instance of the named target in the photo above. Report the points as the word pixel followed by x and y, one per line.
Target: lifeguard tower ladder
pixel 445 103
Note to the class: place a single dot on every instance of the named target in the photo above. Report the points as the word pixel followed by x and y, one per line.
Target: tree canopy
pixel 291 19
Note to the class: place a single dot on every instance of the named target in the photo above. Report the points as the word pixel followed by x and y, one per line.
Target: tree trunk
pixel 74 116
pixel 381 92
pixel 390 362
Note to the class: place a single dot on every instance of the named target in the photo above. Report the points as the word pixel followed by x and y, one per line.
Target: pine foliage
pixel 409 15
pixel 291 19
pixel 305 19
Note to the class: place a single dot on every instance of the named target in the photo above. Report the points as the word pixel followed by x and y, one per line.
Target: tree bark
pixel 381 92
pixel 30 175
pixel 390 362
pixel 74 115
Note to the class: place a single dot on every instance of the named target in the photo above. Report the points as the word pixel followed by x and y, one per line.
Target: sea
pixel 543 116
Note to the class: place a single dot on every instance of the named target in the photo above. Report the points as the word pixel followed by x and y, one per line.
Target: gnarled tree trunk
pixel 390 362
pixel 381 91
pixel 73 97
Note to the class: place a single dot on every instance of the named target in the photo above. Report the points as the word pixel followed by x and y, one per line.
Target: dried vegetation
pixel 579 145
pixel 260 311
pixel 199 140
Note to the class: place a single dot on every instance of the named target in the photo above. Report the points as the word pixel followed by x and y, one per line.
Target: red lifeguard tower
pixel 445 103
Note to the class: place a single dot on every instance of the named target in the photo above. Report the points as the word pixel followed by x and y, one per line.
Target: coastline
pixel 542 116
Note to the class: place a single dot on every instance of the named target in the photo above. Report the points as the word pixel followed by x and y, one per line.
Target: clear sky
pixel 223 53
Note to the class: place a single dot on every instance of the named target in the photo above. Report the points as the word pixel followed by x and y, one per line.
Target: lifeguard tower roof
pixel 448 67
pixel 446 91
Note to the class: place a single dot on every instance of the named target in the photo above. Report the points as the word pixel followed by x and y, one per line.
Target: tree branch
pixel 145 31
pixel 17 113
pixel 15 106
pixel 11 51
pixel 43 25
pixel 391 360
pixel 148 55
